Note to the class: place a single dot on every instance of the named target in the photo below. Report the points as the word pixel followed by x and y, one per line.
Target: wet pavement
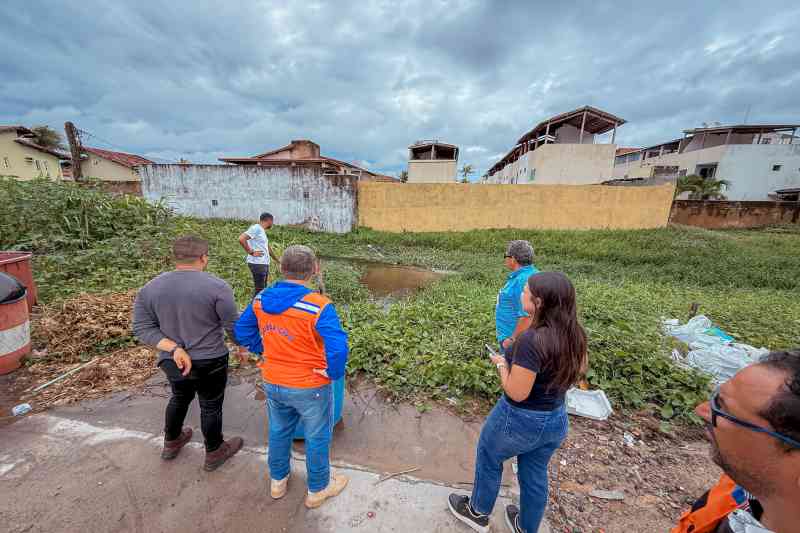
pixel 95 467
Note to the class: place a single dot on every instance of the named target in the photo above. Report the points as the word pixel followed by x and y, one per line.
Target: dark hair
pixel 189 248
pixel 265 216
pixel 783 412
pixel 560 338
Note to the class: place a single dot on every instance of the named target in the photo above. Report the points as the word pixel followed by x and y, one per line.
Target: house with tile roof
pixel 106 165
pixel 303 152
pixel 22 158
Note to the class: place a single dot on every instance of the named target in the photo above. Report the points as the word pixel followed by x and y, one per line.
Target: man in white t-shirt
pixel 256 244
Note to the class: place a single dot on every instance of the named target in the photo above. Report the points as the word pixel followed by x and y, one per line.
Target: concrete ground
pixel 95 467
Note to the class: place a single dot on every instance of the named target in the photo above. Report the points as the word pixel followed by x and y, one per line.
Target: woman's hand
pixel 507 343
pixel 321 371
pixel 498 359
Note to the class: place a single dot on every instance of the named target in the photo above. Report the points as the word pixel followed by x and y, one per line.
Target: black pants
pixel 260 275
pixel 207 379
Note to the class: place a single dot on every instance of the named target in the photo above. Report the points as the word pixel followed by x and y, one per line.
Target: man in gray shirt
pixel 184 313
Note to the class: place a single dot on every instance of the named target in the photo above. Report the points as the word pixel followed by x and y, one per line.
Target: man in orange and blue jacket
pixel 304 348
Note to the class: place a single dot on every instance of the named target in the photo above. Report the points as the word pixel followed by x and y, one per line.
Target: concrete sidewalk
pixel 96 467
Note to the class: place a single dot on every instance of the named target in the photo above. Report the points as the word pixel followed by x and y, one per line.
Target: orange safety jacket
pixel 712 508
pixel 292 345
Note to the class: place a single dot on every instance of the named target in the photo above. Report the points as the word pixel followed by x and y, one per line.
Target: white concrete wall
pixel 432 171
pixel 749 169
pixel 294 195
pixel 572 164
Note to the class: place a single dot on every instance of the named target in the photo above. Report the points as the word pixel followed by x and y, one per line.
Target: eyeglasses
pixel 716 411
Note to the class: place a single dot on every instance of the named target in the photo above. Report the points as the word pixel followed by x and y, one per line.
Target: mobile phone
pixel 491 350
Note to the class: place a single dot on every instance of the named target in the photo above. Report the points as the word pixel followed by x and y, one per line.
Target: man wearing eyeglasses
pixel 511 320
pixel 753 422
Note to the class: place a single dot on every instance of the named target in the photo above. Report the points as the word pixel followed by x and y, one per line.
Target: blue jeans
pixel 286 407
pixel 532 437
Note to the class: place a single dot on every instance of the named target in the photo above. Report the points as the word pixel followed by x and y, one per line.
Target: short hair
pixel 298 262
pixel 522 251
pixel 265 216
pixel 189 248
pixel 783 411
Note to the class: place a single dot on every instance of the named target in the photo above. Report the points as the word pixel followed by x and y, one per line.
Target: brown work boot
pixel 173 447
pixel 227 450
pixel 335 487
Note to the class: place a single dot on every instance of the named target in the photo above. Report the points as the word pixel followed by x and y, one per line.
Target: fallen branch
pixel 390 476
pixel 63 376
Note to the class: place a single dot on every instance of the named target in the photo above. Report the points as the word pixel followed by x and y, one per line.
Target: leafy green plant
pixel 700 188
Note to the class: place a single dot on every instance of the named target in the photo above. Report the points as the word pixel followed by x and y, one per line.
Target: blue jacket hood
pixel 281 296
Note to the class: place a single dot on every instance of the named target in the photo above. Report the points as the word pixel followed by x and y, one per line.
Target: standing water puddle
pixel 396 281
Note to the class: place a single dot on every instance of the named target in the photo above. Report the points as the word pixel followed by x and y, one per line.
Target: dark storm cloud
pixel 206 79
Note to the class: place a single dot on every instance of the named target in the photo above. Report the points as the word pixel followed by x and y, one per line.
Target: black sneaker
pixel 461 509
pixel 512 518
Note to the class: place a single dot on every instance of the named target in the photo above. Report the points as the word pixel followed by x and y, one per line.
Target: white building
pixel 757 159
pixel 432 162
pixel 561 150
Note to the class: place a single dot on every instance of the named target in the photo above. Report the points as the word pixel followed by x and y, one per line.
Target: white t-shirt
pixel 258 241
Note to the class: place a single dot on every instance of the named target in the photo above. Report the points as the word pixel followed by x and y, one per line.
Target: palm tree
pixel 466 170
pixel 48 137
pixel 403 175
pixel 700 188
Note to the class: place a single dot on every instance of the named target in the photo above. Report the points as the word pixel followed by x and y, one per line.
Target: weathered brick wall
pixel 718 214
pixel 294 195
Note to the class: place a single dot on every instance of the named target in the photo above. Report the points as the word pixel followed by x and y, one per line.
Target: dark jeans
pixel 260 274
pixel 530 436
pixel 207 379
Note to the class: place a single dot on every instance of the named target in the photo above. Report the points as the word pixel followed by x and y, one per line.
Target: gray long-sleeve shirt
pixel 189 307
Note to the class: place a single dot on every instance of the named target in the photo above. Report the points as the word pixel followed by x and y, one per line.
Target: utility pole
pixel 75 150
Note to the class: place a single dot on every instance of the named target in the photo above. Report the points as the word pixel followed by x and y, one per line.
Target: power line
pixel 81 133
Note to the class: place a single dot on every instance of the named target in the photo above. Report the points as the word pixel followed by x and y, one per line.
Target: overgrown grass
pixel 430 344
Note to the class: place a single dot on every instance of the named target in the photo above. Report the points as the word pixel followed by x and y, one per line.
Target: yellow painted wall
pixel 13 163
pixel 105 170
pixel 461 207
pixel 432 171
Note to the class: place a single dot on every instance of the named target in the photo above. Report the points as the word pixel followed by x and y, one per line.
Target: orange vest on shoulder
pixel 292 346
pixel 712 508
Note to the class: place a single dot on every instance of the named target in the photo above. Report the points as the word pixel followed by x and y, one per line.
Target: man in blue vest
pixel 510 318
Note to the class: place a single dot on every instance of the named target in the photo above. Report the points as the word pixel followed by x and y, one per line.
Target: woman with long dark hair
pixel 530 420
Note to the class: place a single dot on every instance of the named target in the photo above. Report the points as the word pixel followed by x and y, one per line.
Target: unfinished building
pixel 561 150
pixel 432 161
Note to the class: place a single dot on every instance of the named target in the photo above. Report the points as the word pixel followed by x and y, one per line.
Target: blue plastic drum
pixel 338 404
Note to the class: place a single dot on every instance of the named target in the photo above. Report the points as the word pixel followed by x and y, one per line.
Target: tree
pixel 403 175
pixel 48 137
pixel 700 188
pixel 466 170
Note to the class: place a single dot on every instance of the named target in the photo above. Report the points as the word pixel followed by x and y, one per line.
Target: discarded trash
pixel 629 439
pixel 21 409
pixel 588 403
pixel 370 514
pixel 616 495
pixel 711 350
pixel 395 474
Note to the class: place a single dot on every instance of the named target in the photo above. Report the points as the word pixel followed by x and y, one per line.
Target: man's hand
pixel 507 343
pixel 321 371
pixel 243 354
pixel 182 360
pixel 257 253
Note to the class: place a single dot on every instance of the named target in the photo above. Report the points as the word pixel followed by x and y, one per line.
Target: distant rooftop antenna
pixel 747 114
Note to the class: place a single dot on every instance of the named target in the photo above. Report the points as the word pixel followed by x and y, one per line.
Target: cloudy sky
pixel 203 79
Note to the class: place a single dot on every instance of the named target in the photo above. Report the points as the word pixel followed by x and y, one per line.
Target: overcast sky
pixel 204 79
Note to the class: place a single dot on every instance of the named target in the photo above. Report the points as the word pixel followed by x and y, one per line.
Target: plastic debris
pixel 588 403
pixel 616 495
pixel 711 350
pixel 21 409
pixel 629 439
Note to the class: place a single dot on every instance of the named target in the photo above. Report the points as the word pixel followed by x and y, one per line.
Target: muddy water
pixel 396 281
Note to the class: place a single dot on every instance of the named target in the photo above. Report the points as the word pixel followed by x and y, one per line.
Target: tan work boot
pixel 173 447
pixel 277 488
pixel 335 487
pixel 227 450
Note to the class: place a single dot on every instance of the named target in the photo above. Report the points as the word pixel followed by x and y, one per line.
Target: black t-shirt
pixel 544 396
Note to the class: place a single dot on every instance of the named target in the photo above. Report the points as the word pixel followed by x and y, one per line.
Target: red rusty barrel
pixel 15 325
pixel 18 264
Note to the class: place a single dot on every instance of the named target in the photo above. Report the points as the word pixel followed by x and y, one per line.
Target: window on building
pixel 214 203
pixel 38 167
pixel 6 164
pixel 46 168
pixel 776 168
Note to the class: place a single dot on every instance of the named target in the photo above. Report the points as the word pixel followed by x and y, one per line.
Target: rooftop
pixel 32 144
pixel 597 122
pixel 744 128
pixel 122 158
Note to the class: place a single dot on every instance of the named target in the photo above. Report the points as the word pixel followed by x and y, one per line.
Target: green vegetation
pixel 430 345
pixel 700 188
